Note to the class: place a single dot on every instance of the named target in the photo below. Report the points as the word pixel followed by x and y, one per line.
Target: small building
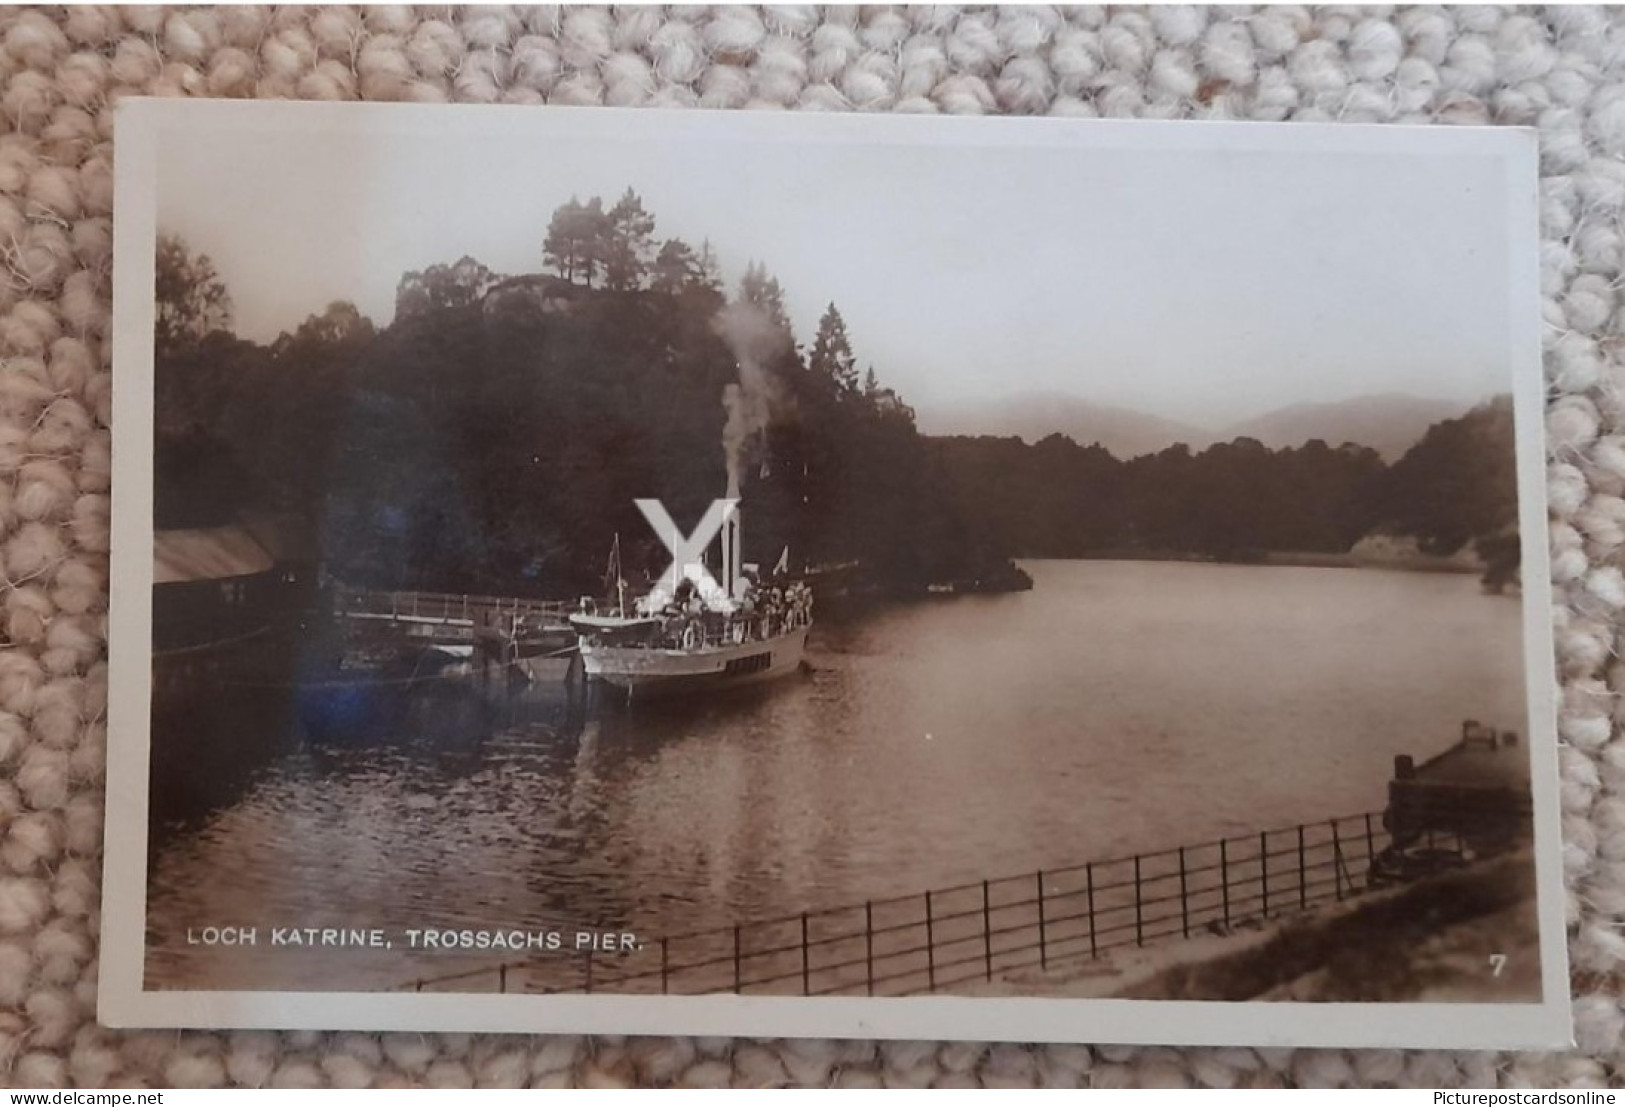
pixel 210 586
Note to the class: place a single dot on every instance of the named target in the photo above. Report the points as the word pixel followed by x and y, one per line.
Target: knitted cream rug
pixel 61 70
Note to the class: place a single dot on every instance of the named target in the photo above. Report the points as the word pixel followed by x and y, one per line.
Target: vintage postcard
pixel 794 574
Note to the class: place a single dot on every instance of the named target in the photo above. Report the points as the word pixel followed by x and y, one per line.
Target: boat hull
pixel 646 671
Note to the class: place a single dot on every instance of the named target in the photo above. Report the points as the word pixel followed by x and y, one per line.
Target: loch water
pixel 1118 707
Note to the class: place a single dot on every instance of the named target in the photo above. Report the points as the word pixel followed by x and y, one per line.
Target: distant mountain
pixel 1389 423
pixel 1035 415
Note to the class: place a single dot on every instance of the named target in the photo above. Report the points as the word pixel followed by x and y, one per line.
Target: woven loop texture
pixel 1562 71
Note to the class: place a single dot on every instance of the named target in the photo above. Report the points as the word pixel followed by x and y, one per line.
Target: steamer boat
pixel 690 634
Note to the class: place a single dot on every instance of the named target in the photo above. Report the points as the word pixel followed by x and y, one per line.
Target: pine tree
pixel 630 243
pixel 596 236
pixel 564 246
pixel 675 267
pixel 763 291
pixel 832 352
pixel 578 240
pixel 710 269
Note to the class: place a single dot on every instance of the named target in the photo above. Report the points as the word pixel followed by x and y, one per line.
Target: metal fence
pixel 938 939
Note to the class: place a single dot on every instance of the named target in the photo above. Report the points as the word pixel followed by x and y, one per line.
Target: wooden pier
pixel 1478 788
pixel 530 636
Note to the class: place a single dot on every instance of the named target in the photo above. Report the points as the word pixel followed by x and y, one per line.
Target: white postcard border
pixel 123 1003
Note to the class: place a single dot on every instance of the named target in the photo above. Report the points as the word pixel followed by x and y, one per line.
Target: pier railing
pixel 447 607
pixel 955 936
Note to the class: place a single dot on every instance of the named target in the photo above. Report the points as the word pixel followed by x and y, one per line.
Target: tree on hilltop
pixel 576 240
pixel 675 267
pixel 460 284
pixel 629 246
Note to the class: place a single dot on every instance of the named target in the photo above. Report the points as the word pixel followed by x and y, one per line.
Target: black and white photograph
pixel 1094 569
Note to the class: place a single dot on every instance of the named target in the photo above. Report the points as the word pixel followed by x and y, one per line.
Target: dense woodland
pixel 494 436
pixel 1238 499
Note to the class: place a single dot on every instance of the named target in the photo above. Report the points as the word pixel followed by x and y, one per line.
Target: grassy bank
pixel 1433 940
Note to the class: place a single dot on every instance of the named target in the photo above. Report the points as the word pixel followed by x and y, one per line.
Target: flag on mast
pixel 783 565
pixel 615 577
pixel 612 572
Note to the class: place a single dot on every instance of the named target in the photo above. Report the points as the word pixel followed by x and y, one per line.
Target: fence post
pixel 806 972
pixel 869 944
pixel 1337 862
pixel 1043 942
pixel 1089 878
pixel 665 967
pixel 987 931
pixel 589 971
pixel 1303 874
pixel 1139 914
pixel 1370 847
pixel 1264 871
pixel 1184 901
pixel 1224 879
pixel 930 947
pixel 737 987
pixel 502 978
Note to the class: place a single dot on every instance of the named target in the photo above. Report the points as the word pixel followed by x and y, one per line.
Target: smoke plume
pixel 754 339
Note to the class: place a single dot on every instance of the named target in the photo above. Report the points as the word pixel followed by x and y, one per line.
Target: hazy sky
pixel 1200 286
